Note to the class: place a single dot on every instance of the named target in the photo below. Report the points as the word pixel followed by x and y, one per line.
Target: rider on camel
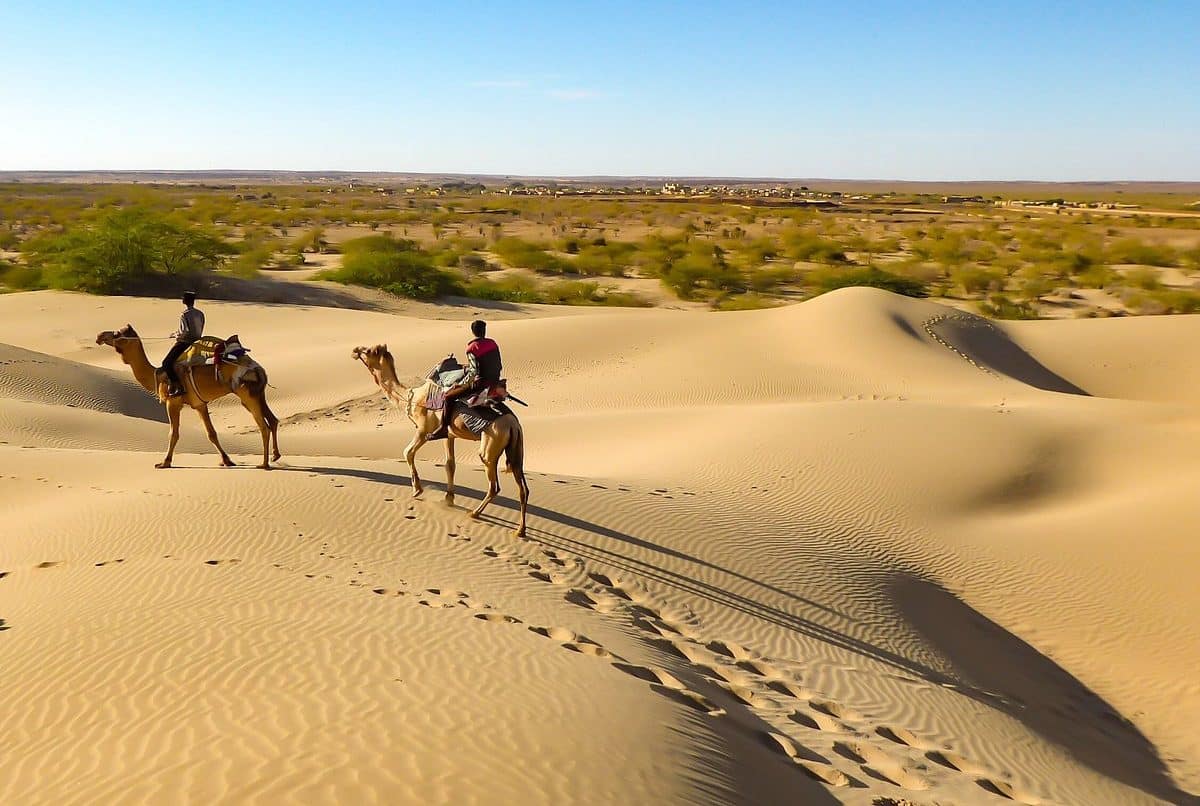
pixel 483 370
pixel 191 328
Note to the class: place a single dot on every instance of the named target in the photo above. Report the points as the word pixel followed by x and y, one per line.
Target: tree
pixel 124 248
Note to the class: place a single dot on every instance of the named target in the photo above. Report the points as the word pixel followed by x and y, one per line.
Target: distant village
pixel 798 195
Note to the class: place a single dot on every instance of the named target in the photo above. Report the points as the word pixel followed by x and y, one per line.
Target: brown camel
pixel 502 436
pixel 201 387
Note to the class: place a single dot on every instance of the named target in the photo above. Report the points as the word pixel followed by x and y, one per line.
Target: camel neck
pixel 143 370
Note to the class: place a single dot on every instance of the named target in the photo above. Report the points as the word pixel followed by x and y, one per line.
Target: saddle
pixel 213 352
pixel 447 373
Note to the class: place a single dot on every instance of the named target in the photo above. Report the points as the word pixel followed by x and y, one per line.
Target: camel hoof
pixel 265 466
pixel 474 516
pixel 229 463
pixel 521 534
pixel 163 465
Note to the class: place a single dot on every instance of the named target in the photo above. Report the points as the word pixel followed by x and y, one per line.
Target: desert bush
pixel 612 259
pixel 1163 301
pixel 517 288
pixel 998 306
pixel 397 266
pixel 1032 284
pixel 1096 277
pixel 513 288
pixel 833 279
pixel 8 238
pixel 313 240
pixel 770 278
pixel 20 277
pixel 807 246
pixel 1145 279
pixel 701 269
pixel 473 261
pixel 977 279
pixel 526 255
pixel 123 249
pixel 1131 250
pixel 744 302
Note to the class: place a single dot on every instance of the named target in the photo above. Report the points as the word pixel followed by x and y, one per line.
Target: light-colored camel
pixel 201 387
pixel 502 436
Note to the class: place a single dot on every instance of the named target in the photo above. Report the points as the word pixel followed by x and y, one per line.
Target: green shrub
pixel 999 306
pixel 1164 301
pixel 122 249
pixel 21 277
pixel 808 246
pixel 248 263
pixel 1131 250
pixel 8 238
pixel 744 302
pixel 833 279
pixel 399 267
pixel 977 279
pixel 1145 279
pixel 525 255
pixel 697 271
pixel 1096 277
pixel 770 278
pixel 517 288
pixel 473 261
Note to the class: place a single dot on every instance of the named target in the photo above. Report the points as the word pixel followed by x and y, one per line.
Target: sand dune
pixel 861 550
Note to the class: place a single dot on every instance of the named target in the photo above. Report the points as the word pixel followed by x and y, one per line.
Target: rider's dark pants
pixel 169 362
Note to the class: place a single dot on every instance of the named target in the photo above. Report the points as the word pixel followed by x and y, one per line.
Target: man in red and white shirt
pixel 484 369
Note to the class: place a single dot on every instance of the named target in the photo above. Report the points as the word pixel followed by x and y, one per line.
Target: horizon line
pixel 4 172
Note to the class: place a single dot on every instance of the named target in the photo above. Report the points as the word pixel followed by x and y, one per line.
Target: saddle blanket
pixel 476 418
pixel 435 399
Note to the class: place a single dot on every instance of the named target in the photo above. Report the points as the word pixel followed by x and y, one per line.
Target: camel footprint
pixel 879 764
pixel 497 618
pixel 665 683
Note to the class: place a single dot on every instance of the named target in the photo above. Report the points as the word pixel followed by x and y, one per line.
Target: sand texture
pixel 865 550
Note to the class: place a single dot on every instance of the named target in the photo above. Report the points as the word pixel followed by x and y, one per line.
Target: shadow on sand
pixel 991 665
pixel 1035 690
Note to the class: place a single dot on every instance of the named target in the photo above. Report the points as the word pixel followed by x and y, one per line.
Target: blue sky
pixel 903 90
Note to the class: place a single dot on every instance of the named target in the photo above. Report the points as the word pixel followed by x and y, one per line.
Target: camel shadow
pixel 992 667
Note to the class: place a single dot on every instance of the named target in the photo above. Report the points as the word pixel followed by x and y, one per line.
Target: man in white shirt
pixel 191 328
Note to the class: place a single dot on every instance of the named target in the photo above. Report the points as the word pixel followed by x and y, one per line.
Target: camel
pixel 502 436
pixel 201 387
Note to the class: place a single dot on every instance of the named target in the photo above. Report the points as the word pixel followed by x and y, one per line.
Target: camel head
pixel 117 339
pixel 372 357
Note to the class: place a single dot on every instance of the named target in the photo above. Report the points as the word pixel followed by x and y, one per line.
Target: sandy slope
pixel 865 547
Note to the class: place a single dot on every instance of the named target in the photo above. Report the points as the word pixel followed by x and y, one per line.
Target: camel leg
pixel 449 468
pixel 410 456
pixel 212 435
pixel 523 489
pixel 491 458
pixel 273 424
pixel 254 405
pixel 173 407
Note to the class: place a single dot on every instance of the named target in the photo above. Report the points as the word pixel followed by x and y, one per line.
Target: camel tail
pixel 514 451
